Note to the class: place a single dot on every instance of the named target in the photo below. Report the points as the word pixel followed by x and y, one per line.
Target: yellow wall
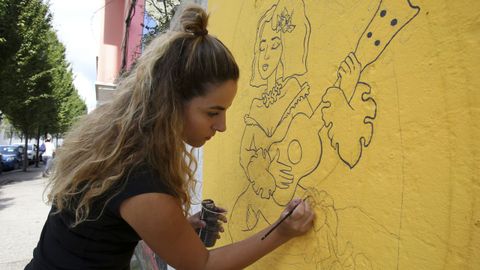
pixel 388 153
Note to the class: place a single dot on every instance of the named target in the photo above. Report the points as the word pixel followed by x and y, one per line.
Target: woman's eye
pixel 212 114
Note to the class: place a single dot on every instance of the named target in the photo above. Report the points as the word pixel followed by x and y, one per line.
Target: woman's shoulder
pixel 145 178
pixel 140 180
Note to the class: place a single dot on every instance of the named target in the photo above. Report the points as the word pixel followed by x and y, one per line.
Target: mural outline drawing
pixel 282 143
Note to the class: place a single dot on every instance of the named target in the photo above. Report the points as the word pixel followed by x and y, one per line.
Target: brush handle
pixel 282 220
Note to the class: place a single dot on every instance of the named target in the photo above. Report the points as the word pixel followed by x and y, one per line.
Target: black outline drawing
pixel 272 151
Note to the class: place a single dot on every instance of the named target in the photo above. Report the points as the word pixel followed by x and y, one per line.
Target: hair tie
pixel 202 32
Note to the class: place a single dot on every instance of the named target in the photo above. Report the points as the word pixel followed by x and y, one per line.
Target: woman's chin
pixel 196 144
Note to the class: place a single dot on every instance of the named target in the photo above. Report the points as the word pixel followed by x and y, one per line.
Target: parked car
pixel 1 163
pixel 31 152
pixel 11 156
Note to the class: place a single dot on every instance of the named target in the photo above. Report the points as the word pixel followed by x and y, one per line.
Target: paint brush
pixel 283 219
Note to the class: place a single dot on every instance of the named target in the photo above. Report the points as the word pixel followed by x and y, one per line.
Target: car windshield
pixel 7 149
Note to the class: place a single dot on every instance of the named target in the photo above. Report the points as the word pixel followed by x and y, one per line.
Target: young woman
pixel 123 174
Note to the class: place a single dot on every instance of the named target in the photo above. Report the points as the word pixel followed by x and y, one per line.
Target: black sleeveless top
pixel 105 242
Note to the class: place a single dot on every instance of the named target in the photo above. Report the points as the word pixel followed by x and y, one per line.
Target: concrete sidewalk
pixel 20 176
pixel 22 215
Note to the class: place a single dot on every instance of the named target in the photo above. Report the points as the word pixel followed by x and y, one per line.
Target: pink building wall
pixel 111 37
pixel 118 48
pixel 134 44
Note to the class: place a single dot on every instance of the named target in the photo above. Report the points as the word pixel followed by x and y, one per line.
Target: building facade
pixel 120 28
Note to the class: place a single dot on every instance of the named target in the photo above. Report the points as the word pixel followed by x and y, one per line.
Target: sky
pixel 75 23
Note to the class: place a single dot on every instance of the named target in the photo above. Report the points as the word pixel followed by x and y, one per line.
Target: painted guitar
pixel 300 148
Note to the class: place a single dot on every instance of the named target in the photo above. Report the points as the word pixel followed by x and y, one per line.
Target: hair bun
pixel 203 32
pixel 191 18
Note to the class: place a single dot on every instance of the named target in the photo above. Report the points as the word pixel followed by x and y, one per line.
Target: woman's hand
pixel 299 222
pixel 197 223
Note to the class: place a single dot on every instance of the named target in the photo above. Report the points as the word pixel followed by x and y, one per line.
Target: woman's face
pixel 270 51
pixel 205 115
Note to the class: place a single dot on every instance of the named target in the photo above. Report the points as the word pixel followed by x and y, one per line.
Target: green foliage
pixel 25 75
pixel 36 82
pixel 68 104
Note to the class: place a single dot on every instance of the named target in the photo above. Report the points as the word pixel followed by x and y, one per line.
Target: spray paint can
pixel 209 214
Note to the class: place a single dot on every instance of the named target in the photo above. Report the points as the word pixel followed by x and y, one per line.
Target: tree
pixel 36 82
pixel 27 75
pixel 9 45
pixel 69 105
pixel 65 105
pixel 159 15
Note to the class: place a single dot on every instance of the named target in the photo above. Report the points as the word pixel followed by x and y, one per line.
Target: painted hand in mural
pixel 263 182
pixel 281 172
pixel 349 75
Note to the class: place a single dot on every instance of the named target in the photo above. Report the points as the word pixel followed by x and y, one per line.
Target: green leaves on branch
pixel 37 93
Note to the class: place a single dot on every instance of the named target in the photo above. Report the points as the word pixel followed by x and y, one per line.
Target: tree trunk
pixel 25 154
pixel 37 151
pixel 11 134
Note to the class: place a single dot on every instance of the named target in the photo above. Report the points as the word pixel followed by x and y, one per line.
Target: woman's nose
pixel 221 124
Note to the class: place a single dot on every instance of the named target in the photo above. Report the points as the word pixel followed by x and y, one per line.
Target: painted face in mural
pixel 270 48
pixel 205 115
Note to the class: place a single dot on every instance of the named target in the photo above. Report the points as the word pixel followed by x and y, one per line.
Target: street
pixel 22 215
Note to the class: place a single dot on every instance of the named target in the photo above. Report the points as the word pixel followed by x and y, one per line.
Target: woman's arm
pixel 159 221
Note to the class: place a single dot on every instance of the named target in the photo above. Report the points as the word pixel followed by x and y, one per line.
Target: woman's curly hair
pixel 143 124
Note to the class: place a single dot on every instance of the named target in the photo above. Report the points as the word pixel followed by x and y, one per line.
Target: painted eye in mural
pixel 276 42
pixel 263 45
